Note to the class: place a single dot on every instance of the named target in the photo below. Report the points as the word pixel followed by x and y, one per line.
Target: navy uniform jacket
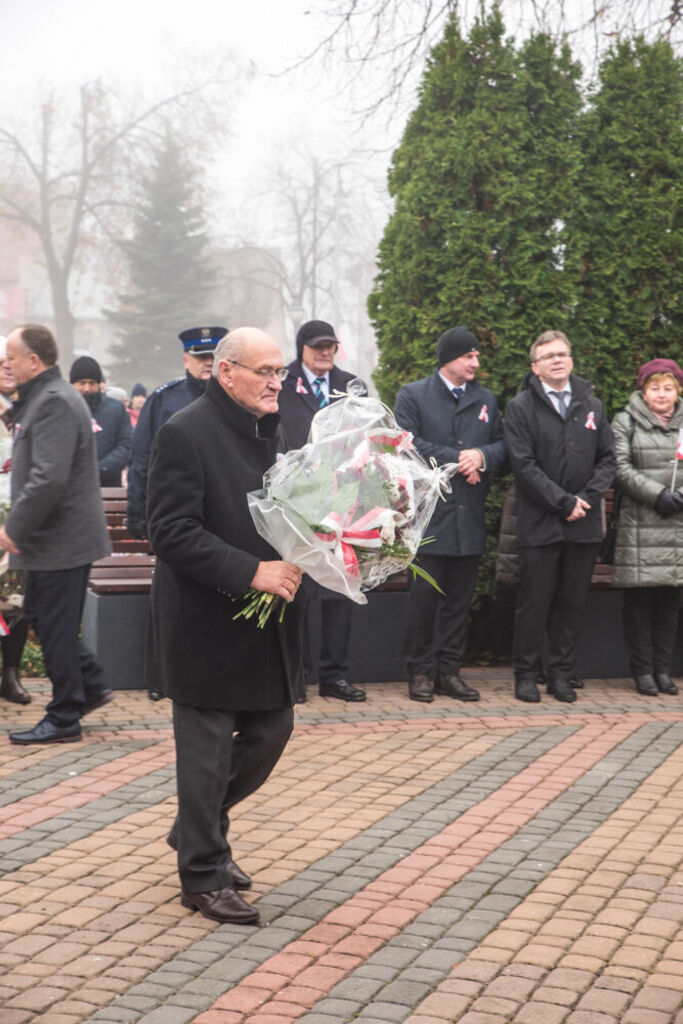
pixel 298 405
pixel 555 461
pixel 442 428
pixel 159 407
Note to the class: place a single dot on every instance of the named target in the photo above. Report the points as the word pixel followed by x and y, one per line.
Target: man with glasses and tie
pixel 313 382
pixel 561 451
pixel 453 418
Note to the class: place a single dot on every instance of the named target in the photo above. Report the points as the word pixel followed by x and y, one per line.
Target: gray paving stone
pixel 406 993
pixel 207 985
pixel 114 1014
pixel 169 1015
pixel 362 989
pixel 392 955
pixel 339 1009
pixel 380 1011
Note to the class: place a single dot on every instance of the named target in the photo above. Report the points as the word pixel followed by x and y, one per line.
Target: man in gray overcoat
pixel 453 418
pixel 231 682
pixel 56 527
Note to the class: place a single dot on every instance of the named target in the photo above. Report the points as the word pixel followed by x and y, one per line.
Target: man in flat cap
pixel 453 418
pixel 313 382
pixel 111 425
pixel 199 344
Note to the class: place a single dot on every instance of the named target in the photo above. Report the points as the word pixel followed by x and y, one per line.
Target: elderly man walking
pixel 231 683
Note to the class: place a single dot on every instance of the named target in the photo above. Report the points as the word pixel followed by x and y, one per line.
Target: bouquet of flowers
pixel 351 507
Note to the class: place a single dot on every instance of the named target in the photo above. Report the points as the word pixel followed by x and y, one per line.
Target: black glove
pixel 137 530
pixel 666 504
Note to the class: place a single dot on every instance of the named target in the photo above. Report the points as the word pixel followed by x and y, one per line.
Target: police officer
pixel 199 344
pixel 198 348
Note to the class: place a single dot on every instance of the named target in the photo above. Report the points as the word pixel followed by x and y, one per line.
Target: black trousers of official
pixel 650 622
pixel 435 627
pixel 335 636
pixel 554 582
pixel 221 757
pixel 53 604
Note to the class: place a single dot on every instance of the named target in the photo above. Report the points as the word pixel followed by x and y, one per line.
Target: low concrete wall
pixel 115 629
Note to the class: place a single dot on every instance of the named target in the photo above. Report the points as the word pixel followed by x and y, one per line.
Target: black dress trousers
pixel 436 626
pixel 221 758
pixel 53 604
pixel 552 593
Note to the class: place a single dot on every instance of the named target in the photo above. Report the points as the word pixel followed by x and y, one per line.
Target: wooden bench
pixel 129 569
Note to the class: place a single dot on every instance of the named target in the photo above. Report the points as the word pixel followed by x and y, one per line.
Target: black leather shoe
pixel 527 690
pixel 421 688
pixel 576 683
pixel 239 878
pixel 561 689
pixel 224 905
pixel 155 695
pixel 646 685
pixel 452 685
pixel 11 688
pixel 47 732
pixel 665 683
pixel 341 689
pixel 105 697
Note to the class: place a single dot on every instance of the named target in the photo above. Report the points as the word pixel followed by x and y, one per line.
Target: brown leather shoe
pixel 240 879
pixel 11 688
pixel 421 688
pixel 453 686
pixel 224 905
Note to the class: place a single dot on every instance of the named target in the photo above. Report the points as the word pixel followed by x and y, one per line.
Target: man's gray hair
pixel 544 338
pixel 231 346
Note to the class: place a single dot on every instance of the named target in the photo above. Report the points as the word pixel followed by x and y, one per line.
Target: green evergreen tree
pixel 170 281
pixel 625 230
pixel 482 180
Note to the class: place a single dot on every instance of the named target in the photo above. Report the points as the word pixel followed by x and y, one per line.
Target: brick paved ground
pixel 480 864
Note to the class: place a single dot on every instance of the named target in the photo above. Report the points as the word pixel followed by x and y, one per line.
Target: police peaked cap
pixel 197 340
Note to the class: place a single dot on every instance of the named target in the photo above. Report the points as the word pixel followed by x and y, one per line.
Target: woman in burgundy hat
pixel 648 560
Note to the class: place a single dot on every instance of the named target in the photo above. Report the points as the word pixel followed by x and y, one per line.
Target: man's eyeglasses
pixel 265 373
pixel 552 355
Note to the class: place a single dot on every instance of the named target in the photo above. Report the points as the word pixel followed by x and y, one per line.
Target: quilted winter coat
pixel 649 549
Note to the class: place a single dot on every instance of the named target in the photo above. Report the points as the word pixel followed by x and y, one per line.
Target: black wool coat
pixel 298 405
pixel 442 428
pixel 555 461
pixel 203 463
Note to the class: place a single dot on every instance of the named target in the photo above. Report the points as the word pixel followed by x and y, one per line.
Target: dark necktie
pixel 561 397
pixel 457 393
pixel 319 393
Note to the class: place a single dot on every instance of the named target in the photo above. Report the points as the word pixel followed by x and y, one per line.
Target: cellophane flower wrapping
pixel 352 506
